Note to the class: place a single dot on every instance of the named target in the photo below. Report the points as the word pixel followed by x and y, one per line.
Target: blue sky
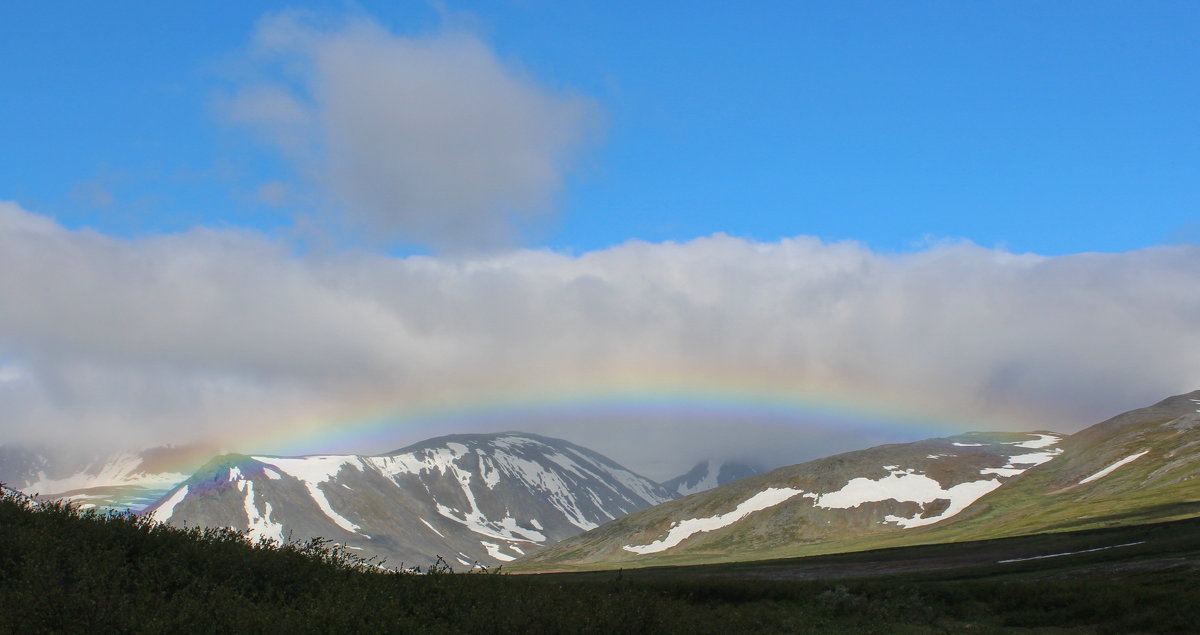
pixel 1048 128
pixel 256 221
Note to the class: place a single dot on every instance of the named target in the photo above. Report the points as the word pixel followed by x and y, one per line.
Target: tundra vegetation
pixel 63 569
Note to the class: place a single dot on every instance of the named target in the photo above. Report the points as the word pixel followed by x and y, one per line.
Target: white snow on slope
pixel 122 469
pixel 1197 402
pixel 431 527
pixel 1002 471
pixel 961 496
pixel 1033 458
pixel 1029 459
pixel 1043 441
pixel 906 486
pixel 1070 553
pixel 706 482
pixel 259 525
pixel 493 550
pixel 312 471
pixel 1109 470
pixel 581 488
pixel 164 511
pixel 682 530
pixel 969 445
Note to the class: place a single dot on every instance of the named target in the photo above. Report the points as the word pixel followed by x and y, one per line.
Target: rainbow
pixel 381 425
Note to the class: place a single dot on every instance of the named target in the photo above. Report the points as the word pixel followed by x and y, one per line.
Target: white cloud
pixel 228 333
pixel 430 139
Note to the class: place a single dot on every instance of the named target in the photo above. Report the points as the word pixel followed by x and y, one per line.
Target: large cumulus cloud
pixel 429 139
pixel 211 333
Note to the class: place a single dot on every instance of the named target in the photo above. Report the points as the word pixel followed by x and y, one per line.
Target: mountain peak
pixel 474 498
pixel 709 473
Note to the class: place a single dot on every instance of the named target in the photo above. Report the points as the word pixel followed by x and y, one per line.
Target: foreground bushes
pixel 66 570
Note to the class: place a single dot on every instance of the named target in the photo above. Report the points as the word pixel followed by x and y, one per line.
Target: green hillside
pixel 1143 467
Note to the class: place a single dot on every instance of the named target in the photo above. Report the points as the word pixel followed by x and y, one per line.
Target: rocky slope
pixel 483 499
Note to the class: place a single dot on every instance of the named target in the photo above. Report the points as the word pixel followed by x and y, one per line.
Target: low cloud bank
pixel 230 334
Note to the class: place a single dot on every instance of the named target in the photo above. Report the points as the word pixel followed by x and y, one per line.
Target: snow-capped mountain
pixel 708 474
pixel 470 498
pixel 128 480
pixel 890 488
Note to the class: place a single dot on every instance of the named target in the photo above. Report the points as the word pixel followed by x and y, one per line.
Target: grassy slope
pixel 1163 485
pixel 63 571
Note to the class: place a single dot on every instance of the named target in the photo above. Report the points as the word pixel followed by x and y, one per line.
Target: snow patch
pixel 1002 471
pixel 961 496
pixel 260 525
pixel 316 469
pixel 1109 470
pixel 969 445
pixel 271 474
pixel 431 527
pixel 1033 458
pixel 1042 441
pixel 120 470
pixel 907 486
pixel 684 529
pixel 312 471
pixel 493 550
pixel 707 481
pixel 164 511
pixel 1070 553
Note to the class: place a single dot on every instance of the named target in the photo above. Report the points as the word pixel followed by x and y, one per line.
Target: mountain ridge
pixel 471 498
pixel 1115 471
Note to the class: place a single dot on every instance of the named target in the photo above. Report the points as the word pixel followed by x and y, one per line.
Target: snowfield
pixel 312 471
pixel 906 486
pixel 682 530
pixel 164 511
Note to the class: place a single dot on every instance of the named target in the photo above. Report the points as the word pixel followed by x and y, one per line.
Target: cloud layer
pixel 228 333
pixel 429 139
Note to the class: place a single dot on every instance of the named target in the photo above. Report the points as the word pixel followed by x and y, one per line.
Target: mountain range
pixel 534 503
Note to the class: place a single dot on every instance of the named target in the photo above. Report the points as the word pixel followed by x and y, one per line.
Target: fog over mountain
pixel 230 334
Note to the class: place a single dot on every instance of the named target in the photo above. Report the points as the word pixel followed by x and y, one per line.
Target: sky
pixel 666 232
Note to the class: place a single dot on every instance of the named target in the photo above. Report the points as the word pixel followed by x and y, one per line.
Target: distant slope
pixel 1138 467
pixel 709 474
pixel 469 498
pixel 128 480
pixel 889 489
